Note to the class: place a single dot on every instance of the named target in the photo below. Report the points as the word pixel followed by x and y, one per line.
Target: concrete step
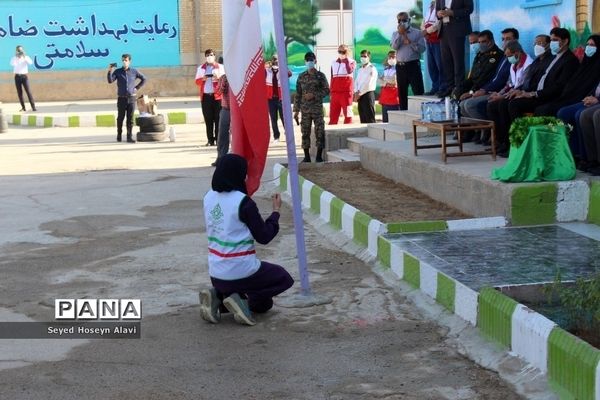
pixel 403 118
pixel 414 103
pixel 354 143
pixel 389 131
pixel 342 155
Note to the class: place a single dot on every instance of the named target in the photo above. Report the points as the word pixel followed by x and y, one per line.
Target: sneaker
pixel 209 306
pixel 239 308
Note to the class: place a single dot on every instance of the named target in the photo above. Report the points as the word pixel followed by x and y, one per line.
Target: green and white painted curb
pixel 99 120
pixel 355 224
pixel 550 202
pixel 572 365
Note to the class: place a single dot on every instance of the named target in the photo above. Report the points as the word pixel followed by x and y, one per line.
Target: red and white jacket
pixel 341 75
pixel 217 70
pixel 269 81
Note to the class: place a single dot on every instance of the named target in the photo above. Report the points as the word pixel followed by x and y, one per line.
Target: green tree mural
pixel 300 22
pixel 270 47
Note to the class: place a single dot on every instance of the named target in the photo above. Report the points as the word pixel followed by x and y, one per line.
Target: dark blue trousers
pixel 259 288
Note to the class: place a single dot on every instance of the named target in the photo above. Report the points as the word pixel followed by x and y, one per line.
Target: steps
pixel 398 128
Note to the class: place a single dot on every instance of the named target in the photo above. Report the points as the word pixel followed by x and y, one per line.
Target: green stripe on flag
pixel 494 318
pixel 73 121
pixel 229 244
pixel 335 215
pixel 384 251
pixel 177 118
pixel 361 228
pixel 446 291
pixel 315 199
pixel 572 365
pixel 412 270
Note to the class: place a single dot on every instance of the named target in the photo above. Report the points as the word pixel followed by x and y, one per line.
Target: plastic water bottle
pixel 448 107
pixel 172 134
pixel 455 110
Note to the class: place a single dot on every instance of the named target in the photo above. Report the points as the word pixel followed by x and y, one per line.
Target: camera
pixel 114 65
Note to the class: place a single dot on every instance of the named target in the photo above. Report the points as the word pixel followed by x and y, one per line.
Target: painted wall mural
pixel 74 34
pixel 374 22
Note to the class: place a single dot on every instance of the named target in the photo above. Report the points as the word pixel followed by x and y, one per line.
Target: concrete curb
pixel 98 120
pixel 572 365
pixel 355 224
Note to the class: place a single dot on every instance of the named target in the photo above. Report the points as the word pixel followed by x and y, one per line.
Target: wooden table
pixel 460 126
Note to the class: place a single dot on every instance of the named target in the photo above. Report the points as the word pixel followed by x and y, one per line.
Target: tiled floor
pixel 493 257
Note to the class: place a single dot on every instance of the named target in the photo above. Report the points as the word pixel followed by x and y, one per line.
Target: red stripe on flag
pixel 250 126
pixel 231 255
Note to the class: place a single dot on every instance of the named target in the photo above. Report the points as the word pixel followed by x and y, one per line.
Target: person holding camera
pixel 20 63
pixel 409 43
pixel 126 92
pixel 207 79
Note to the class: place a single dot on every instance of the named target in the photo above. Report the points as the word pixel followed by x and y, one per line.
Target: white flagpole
pixel 291 145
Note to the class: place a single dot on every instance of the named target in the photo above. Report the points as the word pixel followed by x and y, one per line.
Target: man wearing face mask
pixel 475 105
pixel 498 110
pixel 207 79
pixel 409 43
pixel 556 76
pixel 364 88
pixel 342 85
pixel 488 57
pixel 274 95
pixel 311 89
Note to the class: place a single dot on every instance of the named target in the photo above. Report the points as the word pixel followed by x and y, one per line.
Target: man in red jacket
pixel 342 86
pixel 274 94
pixel 207 79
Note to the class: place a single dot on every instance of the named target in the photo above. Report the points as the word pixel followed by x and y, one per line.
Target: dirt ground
pixel 379 197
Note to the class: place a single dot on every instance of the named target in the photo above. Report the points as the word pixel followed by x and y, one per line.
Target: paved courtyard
pixel 84 216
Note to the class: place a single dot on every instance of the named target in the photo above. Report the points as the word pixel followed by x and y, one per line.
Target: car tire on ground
pixel 151 136
pixel 150 120
pixel 152 128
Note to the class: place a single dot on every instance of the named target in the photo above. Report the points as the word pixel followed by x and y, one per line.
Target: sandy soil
pixel 379 197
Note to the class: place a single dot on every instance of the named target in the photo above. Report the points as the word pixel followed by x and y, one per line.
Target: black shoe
pixel 130 139
pixel 594 171
pixel 22 110
pixel 485 142
pixel 119 137
pixel 503 154
pixel 442 94
pixel 214 164
pixel 33 109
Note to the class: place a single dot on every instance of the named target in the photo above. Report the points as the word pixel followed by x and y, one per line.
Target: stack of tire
pixel 152 128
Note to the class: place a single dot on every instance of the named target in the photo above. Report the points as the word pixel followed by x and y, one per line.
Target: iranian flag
pixel 244 65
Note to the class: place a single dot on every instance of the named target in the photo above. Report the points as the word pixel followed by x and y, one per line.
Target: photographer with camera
pixel 126 92
pixel 207 79
pixel 20 63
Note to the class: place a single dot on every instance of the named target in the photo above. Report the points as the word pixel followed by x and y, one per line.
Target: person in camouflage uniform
pixel 311 88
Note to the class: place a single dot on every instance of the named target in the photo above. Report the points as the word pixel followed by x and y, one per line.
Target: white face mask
pixel 364 60
pixel 538 50
pixel 391 62
pixel 210 59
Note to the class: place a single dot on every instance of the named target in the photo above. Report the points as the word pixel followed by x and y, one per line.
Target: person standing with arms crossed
pixel 126 92
pixel 311 88
pixel 409 43
pixel 20 63
pixel 364 88
pixel 207 79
